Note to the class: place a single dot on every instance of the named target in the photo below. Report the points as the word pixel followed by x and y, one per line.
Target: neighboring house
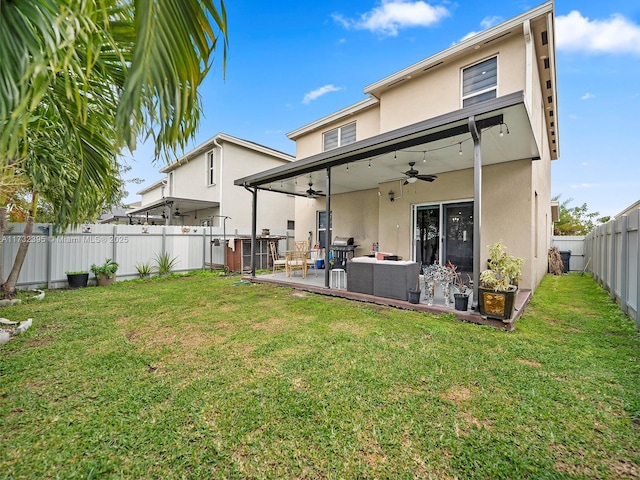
pixel 116 215
pixel 481 116
pixel 198 188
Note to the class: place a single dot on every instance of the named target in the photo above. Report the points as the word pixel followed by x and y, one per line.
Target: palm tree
pixel 81 80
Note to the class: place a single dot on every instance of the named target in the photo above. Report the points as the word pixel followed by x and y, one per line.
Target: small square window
pixel 340 136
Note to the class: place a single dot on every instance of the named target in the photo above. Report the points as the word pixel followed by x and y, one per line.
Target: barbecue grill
pixel 342 248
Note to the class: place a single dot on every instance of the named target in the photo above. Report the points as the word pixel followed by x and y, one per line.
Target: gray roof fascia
pixel 402 137
pixel 153 186
pixel 334 117
pixel 458 48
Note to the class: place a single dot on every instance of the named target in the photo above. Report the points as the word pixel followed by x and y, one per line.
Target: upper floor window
pixel 480 82
pixel 339 136
pixel 211 168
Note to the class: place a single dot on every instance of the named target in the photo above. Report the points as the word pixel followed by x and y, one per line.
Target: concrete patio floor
pixel 316 284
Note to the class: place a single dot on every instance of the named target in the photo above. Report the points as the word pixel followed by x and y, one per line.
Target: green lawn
pixel 195 377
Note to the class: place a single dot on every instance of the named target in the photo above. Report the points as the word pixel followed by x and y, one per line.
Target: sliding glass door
pixel 426 221
pixel 444 233
pixel 458 240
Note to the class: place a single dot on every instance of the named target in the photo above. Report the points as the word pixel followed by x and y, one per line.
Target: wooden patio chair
pixel 277 260
pixel 298 258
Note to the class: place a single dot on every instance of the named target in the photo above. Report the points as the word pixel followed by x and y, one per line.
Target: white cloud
pixel 613 35
pixel 587 96
pixel 488 22
pixel 585 185
pixel 394 15
pixel 319 92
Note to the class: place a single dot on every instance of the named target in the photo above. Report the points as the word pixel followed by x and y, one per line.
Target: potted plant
pixel 105 273
pixel 77 279
pixel 414 294
pixel 499 283
pixel 461 293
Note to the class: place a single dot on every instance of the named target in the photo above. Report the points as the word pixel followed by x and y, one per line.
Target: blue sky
pixel 293 62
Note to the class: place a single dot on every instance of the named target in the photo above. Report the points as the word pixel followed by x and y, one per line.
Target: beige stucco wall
pixel 439 91
pixel 354 215
pixel 507 193
pixel 274 209
pixel 190 181
pixel 367 125
pixel 152 195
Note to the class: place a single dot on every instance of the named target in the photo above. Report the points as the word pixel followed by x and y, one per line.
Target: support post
pixel 254 223
pixel 327 233
pixel 477 217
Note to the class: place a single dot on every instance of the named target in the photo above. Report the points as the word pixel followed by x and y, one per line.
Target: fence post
pixel 613 250
pixel 624 262
pixel 204 248
pixel 114 248
pixel 49 254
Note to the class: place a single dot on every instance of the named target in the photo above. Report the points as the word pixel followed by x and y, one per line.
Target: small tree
pixel 576 220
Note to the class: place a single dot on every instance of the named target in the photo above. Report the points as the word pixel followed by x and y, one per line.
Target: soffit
pixel 389 154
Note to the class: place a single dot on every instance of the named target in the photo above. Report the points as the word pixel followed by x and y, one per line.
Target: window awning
pixel 167 206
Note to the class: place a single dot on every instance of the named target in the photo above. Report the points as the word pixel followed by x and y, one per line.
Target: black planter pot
pixel 77 280
pixel 498 305
pixel 461 301
pixel 414 296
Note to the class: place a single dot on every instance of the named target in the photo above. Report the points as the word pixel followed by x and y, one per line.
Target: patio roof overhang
pixel 167 206
pixel 434 145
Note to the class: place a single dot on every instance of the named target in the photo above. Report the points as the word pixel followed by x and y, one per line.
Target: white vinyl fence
pixel 573 244
pixel 50 257
pixel 614 253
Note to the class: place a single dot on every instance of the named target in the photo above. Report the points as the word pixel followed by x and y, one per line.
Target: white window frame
pixel 211 168
pixel 479 92
pixel 339 132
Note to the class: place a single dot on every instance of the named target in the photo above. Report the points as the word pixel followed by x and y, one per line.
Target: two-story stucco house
pixel 441 159
pixel 198 188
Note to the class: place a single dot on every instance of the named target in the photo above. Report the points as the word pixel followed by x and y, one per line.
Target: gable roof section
pixel 222 138
pixel 541 17
pixel 504 29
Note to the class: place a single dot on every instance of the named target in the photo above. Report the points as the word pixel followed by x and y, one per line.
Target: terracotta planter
pixel 498 305
pixel 103 281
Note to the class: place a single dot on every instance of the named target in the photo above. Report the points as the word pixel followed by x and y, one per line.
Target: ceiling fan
pixel 413 175
pixel 311 193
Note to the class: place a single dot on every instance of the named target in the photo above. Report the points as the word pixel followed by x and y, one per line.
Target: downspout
pixel 221 183
pixel 477 196
pixel 327 233
pixel 254 212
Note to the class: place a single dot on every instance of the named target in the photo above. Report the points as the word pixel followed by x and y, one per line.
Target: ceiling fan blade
pixel 427 178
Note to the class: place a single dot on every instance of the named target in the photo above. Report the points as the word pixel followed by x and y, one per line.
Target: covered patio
pixel 488 133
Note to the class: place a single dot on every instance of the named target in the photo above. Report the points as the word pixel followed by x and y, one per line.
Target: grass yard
pixel 193 377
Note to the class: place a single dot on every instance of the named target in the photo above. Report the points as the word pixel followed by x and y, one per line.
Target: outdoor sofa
pixel 382 278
